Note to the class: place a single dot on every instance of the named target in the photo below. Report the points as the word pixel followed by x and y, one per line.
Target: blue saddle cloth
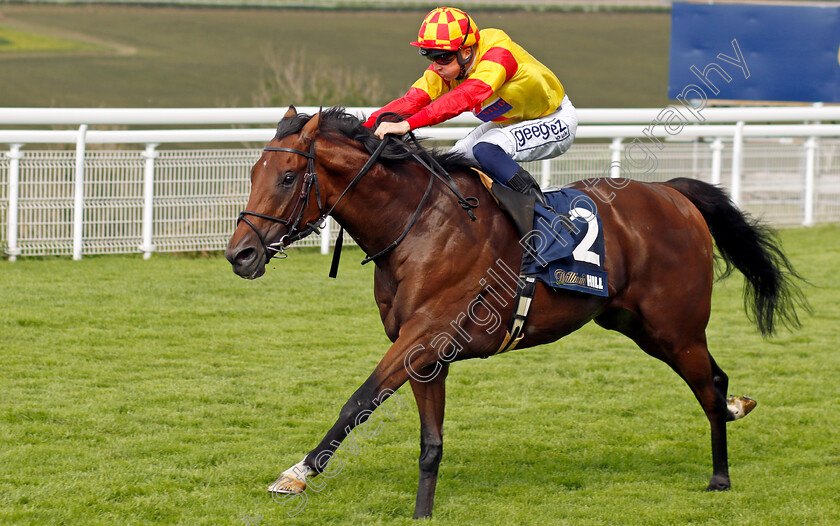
pixel 566 250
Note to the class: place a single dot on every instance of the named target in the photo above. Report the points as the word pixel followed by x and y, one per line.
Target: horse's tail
pixel 772 293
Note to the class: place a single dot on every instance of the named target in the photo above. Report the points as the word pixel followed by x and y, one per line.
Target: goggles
pixel 438 56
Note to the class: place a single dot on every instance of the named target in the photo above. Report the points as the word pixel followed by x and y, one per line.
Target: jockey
pixel 526 112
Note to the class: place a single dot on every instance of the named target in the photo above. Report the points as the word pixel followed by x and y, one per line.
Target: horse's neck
pixel 377 210
pixel 384 202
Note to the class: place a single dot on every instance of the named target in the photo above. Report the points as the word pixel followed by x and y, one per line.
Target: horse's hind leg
pixel 692 361
pixel 708 382
pixel 690 358
pixel 691 365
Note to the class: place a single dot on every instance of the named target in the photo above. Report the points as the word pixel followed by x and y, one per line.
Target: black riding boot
pixel 523 182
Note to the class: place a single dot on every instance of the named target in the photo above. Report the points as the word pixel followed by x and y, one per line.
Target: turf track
pixel 171 391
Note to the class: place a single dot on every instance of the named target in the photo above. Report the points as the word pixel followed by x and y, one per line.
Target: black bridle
pixel 310 181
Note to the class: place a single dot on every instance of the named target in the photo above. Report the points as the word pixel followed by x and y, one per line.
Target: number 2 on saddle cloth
pixel 564 246
pixel 566 249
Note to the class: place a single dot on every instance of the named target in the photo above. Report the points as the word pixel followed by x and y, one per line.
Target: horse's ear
pixel 291 112
pixel 310 128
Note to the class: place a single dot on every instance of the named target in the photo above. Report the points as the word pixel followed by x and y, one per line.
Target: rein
pixel 310 181
pixel 436 171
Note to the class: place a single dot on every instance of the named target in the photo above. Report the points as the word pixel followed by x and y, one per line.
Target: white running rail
pixel 780 163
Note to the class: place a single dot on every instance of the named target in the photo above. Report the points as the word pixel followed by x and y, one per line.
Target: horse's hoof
pixel 286 484
pixel 740 406
pixel 718 484
pixel 292 481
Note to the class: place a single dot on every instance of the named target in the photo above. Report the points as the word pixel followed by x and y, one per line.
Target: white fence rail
pixel 779 163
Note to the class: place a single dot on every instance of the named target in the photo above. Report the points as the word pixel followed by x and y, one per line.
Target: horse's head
pixel 288 199
pixel 285 200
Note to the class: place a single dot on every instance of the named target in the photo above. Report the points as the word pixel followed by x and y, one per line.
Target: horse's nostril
pixel 245 256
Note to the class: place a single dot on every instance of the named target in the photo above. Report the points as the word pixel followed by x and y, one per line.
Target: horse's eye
pixel 289 179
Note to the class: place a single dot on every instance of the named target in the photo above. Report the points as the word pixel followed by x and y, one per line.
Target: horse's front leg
pixel 431 401
pixel 404 357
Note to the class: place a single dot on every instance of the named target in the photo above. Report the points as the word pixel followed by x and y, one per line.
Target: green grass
pixel 215 57
pixel 16 41
pixel 171 391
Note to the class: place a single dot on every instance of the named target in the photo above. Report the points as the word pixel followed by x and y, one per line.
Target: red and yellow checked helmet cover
pixel 444 28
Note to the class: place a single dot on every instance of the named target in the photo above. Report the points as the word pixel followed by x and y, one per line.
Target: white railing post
pixel 79 193
pixel 15 156
pixel 148 199
pixel 545 173
pixel 717 155
pixel 810 176
pixel 737 162
pixel 326 234
pixel 695 146
pixel 615 159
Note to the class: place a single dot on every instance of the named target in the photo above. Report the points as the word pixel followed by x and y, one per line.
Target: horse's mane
pixel 337 121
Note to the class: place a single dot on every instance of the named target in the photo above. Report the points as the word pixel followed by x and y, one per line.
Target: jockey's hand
pixel 394 128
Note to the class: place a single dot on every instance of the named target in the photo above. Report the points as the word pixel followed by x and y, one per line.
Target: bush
pixel 291 78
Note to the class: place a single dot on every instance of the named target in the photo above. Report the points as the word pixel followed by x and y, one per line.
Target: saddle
pixel 519 207
pixel 562 250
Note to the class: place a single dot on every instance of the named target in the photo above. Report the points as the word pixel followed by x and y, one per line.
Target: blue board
pixel 754 52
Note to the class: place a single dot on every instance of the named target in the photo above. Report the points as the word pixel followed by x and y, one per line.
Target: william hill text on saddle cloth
pixel 528 116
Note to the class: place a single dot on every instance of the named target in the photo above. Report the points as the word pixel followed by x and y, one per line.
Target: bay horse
pixel 431 263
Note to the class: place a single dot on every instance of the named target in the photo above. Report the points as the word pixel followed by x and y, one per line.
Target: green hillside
pixel 174 57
